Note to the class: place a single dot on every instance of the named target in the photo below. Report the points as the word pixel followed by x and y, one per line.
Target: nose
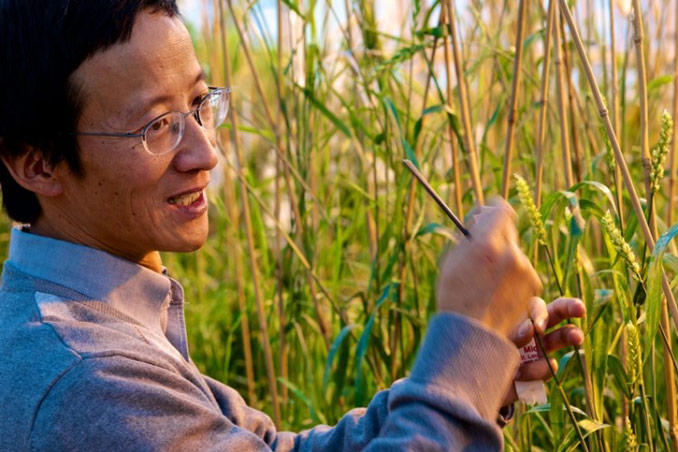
pixel 197 150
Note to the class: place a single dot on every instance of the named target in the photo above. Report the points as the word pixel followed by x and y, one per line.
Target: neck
pixel 150 260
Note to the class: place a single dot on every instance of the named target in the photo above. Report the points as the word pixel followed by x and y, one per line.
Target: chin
pixel 186 243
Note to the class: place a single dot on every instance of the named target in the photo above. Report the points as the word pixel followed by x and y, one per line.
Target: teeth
pixel 185 200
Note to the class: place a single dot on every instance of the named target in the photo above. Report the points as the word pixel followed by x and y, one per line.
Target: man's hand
pixel 546 317
pixel 488 277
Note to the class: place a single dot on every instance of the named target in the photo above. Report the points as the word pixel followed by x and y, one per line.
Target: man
pixel 107 139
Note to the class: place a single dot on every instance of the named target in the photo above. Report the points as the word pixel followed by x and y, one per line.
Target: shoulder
pixel 120 403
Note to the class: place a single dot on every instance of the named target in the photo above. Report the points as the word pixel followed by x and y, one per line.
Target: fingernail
pixel 543 323
pixel 524 329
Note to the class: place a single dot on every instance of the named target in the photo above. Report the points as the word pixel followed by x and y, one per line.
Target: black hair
pixel 42 43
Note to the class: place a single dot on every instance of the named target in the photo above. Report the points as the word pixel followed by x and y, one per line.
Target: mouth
pixel 190 204
pixel 186 199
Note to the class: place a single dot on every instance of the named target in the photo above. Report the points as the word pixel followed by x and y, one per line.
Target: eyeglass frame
pixel 195 112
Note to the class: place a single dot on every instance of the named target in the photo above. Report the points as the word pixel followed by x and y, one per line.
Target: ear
pixel 34 172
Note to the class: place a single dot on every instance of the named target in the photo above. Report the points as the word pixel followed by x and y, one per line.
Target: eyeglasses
pixel 164 133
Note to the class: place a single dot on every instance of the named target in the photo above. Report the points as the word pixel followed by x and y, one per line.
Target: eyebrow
pixel 145 105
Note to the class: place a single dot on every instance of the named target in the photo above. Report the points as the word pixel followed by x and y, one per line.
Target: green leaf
pixel 333 351
pixel 619 375
pixel 658 82
pixel 653 301
pixel 600 187
pixel 363 342
pixel 323 109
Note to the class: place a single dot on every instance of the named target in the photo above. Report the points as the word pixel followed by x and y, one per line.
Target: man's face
pixel 129 202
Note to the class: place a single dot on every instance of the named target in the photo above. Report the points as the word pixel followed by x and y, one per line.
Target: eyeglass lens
pixel 166 132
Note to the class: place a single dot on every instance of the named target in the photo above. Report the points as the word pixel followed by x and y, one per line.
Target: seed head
pixel 628 437
pixel 623 248
pixel 609 153
pixel 660 151
pixel 534 214
pixel 634 364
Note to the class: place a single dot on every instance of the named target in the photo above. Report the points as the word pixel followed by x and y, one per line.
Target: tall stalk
pixel 410 203
pixel 543 102
pixel 469 140
pixel 616 114
pixel 674 144
pixel 281 152
pixel 263 327
pixel 562 112
pixel 619 157
pixel 645 146
pixel 458 189
pixel 513 110
pixel 278 200
pixel 229 195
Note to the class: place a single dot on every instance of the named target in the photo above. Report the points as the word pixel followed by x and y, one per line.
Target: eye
pixel 159 124
pixel 199 99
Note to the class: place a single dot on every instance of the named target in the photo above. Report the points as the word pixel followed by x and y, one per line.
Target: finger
pixel 494 221
pixel 564 308
pixel 567 336
pixel 522 335
pixel 539 314
pixel 536 370
pixel 474 215
pixel 510 397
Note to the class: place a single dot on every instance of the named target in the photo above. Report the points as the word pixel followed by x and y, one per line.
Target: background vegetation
pixel 316 284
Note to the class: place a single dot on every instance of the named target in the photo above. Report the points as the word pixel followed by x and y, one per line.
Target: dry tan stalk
pixel 616 114
pixel 278 200
pixel 453 148
pixel 265 342
pixel 619 157
pixel 564 128
pixel 645 146
pixel 513 110
pixel 410 203
pixel 674 145
pixel 281 152
pixel 541 125
pixel 638 38
pixel 465 111
pixel 229 196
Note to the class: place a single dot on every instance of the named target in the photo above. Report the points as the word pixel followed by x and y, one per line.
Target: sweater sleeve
pixel 450 402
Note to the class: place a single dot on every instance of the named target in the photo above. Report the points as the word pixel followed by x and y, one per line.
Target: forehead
pixel 158 60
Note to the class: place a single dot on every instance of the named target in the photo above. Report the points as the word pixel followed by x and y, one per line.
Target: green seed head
pixel 609 153
pixel 628 437
pixel 623 248
pixel 660 152
pixel 534 214
pixel 634 364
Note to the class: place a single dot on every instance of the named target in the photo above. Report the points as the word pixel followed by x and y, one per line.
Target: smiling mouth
pixel 185 199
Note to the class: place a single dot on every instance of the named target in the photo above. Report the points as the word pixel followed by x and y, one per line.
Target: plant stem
pixel 616 115
pixel 619 157
pixel 541 125
pixel 562 113
pixel 293 201
pixel 263 327
pixel 458 189
pixel 465 111
pixel 540 344
pixel 513 111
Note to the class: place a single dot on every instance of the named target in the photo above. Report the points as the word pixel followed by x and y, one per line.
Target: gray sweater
pixel 95 357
